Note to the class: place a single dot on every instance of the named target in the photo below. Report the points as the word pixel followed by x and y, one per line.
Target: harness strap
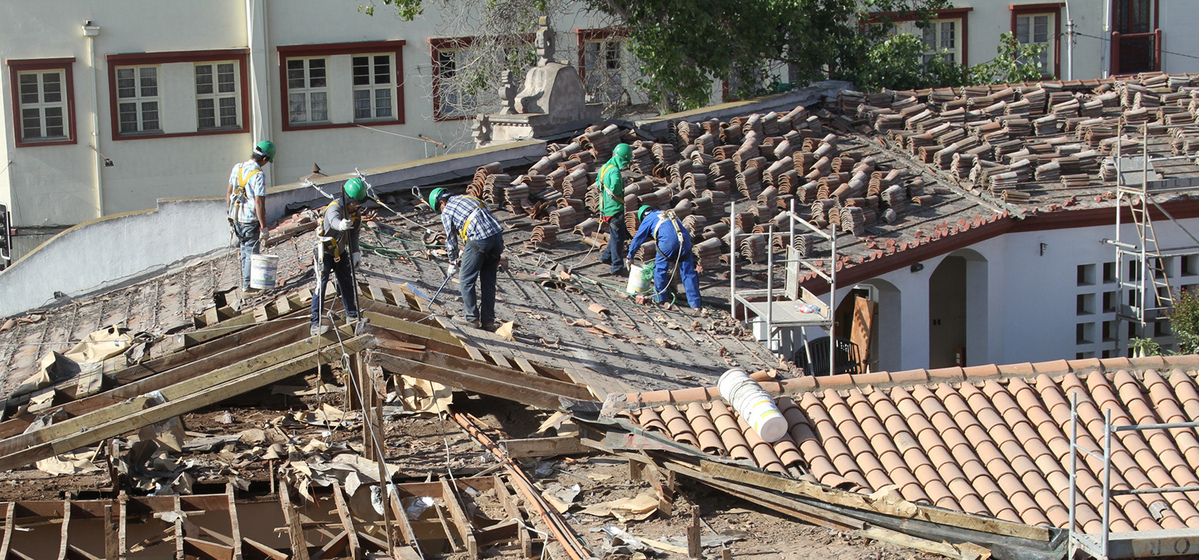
pixel 669 215
pixel 239 197
pixel 603 185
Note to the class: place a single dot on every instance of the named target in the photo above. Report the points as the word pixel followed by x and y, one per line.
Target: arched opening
pixel 957 311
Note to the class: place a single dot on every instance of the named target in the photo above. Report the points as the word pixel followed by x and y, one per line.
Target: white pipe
pixel 90 32
pixel 1107 34
pixel 257 40
pixel 1069 43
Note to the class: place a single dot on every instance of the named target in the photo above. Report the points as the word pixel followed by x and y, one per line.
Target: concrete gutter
pixel 121 248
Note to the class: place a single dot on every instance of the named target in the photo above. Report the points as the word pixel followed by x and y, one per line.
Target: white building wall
pixel 1180 43
pixel 1032 300
pixel 49 186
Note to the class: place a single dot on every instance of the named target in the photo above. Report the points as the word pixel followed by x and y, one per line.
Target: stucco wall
pixel 1030 301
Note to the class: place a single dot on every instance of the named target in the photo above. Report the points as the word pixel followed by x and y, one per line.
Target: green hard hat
pixel 436 195
pixel 623 151
pixel 356 189
pixel 642 211
pixel 265 148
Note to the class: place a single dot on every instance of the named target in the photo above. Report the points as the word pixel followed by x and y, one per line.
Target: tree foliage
pixel 1184 321
pixel 1013 62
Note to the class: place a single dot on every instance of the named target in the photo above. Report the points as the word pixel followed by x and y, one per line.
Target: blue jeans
pixel 345 284
pixel 247 238
pixel 480 261
pixel 614 252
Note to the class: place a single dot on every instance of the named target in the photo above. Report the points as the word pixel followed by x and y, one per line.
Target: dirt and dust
pixel 427 447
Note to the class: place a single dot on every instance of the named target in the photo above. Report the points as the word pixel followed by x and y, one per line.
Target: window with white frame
pixel 307 90
pixel 941 39
pixel 603 57
pixel 373 86
pixel 450 100
pixel 1038 29
pixel 138 100
pixel 42 104
pixel 338 85
pixel 217 95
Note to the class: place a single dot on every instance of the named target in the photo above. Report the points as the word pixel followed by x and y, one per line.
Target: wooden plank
pixel 110 534
pixel 179 535
pixel 420 330
pixel 467 381
pixel 507 375
pixel 859 501
pixel 397 511
pixel 545 447
pixel 525 365
pixel 964 550
pixel 234 522
pixel 265 550
pixel 512 508
pixel 503 531
pixel 460 520
pixel 295 527
pixel 334 547
pixel 123 520
pixel 450 534
pixel 158 373
pixel 499 359
pixel 220 329
pixel 347 522
pixel 206 549
pixel 181 398
pixel 66 525
pixel 76 553
pixel 9 525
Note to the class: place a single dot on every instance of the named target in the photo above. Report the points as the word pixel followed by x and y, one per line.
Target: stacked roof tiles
pixel 987 440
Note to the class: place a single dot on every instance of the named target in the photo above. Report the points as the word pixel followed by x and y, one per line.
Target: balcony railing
pixel 1136 52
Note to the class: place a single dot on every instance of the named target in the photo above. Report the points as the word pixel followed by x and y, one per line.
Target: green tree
pixel 1184 321
pixel 1013 62
pixel 685 45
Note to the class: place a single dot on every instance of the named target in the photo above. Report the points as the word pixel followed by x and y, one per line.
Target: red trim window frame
pixel 1054 8
pixel 436 45
pixel 588 35
pixel 394 48
pixel 950 13
pixel 115 61
pixel 15 69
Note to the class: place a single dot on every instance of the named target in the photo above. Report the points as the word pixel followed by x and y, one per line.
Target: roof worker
pixel 471 229
pixel 674 253
pixel 337 251
pixel 611 185
pixel 245 200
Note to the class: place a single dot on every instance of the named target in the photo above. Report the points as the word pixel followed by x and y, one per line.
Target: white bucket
pixel 753 403
pixel 637 283
pixel 262 271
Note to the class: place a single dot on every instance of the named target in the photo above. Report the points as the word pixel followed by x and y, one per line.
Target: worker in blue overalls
pixel 674 253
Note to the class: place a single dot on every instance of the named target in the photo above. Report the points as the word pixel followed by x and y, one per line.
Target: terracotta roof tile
pixel 991 441
pixel 705 430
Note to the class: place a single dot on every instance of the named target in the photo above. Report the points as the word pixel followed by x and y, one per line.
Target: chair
pixel 847 357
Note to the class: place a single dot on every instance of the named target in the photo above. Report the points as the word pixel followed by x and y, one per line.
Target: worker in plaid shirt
pixel 470 225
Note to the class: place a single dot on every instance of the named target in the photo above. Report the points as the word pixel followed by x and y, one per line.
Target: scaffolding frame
pixel 1099 546
pixel 752 299
pixel 1149 272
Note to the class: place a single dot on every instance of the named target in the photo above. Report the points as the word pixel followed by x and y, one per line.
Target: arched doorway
pixel 957 311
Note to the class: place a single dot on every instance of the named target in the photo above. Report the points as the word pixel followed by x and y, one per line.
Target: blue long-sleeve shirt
pixel 667 237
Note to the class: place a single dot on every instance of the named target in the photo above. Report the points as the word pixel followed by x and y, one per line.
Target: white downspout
pixel 260 82
pixel 90 32
pixel 1107 35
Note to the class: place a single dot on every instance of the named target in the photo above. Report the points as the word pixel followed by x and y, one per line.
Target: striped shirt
pixel 461 211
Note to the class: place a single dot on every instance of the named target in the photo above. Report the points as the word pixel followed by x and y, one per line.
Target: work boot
pixel 318 329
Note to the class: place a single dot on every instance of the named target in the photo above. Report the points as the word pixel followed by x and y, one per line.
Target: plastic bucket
pixel 638 283
pixel 753 403
pixel 262 271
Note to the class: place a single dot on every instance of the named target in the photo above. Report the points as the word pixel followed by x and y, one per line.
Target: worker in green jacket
pixel 611 185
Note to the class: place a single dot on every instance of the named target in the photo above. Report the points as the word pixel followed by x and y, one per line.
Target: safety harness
pixel 669 215
pixel 469 218
pixel 329 243
pixel 239 198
